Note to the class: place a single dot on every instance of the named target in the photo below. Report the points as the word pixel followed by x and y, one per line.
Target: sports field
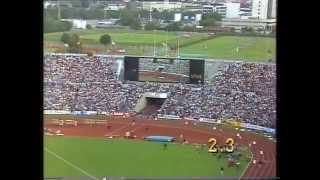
pixel 75 156
pixel 192 45
pixel 128 37
pixel 235 47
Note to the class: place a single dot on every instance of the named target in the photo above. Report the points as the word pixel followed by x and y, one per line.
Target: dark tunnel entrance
pixel 152 106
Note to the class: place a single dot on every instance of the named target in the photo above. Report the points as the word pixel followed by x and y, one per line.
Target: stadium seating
pixel 239 90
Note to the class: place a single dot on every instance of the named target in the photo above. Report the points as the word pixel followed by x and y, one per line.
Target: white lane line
pixel 245 170
pixel 70 164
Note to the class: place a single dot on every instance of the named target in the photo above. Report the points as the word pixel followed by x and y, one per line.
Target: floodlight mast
pixel 154 48
pixel 178 49
pixel 167 43
pixel 154 45
pixel 150 15
pixel 59 11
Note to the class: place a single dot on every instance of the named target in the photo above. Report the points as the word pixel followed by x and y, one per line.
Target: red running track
pixel 193 134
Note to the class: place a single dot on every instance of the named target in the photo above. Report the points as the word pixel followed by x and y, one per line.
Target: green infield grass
pixel 129 37
pixel 142 43
pixel 75 156
pixel 235 48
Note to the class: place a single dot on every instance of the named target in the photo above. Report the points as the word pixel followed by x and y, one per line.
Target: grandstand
pixel 236 90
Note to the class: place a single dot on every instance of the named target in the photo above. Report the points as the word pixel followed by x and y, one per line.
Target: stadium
pixel 156 117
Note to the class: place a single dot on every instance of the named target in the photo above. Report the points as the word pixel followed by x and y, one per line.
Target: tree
pixel 130 18
pixel 85 3
pixel 248 29
pixel 74 43
pixel 189 13
pixel 189 28
pixel 174 26
pixel 167 15
pixel 83 14
pixel 126 17
pixel 113 14
pixel 144 13
pixel 135 24
pixel 151 26
pixel 208 22
pixel 132 5
pixel 156 14
pixel 232 29
pixel 105 39
pixel 65 38
pixel 75 3
pixel 89 26
pixel 94 13
pixel 52 25
pixel 210 19
pixel 47 24
pixel 51 13
pixel 67 13
pixel 74 39
pixel 214 15
pixel 66 25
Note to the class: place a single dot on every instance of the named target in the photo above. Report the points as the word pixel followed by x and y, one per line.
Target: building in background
pixel 177 17
pixel 115 6
pixel 207 8
pixel 272 11
pixel 220 8
pixel 192 6
pixel 77 23
pixel 260 9
pixel 198 17
pixel 264 9
pixel 161 5
pixel 257 24
pixel 232 10
pixel 47 4
pixel 245 13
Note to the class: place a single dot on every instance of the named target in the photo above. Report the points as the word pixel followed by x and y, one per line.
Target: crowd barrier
pixel 189 119
pixel 79 113
pixel 61 122
pixel 116 115
pixel 67 54
pixel 170 117
pixel 216 121
pixel 56 112
pixel 260 128
pixel 83 55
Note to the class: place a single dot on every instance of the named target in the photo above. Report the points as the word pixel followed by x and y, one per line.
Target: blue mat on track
pixel 160 138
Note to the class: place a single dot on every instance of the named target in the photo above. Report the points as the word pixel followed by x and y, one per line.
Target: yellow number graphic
pixel 213 148
pixel 230 143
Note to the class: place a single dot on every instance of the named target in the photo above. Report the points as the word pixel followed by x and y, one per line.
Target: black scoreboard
pixel 196 67
pixel 196 71
pixel 131 68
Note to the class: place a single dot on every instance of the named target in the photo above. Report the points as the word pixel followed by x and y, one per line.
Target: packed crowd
pixel 241 90
pixel 77 69
pixel 81 83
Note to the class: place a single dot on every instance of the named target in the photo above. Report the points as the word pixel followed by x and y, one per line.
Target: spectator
pixel 243 91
